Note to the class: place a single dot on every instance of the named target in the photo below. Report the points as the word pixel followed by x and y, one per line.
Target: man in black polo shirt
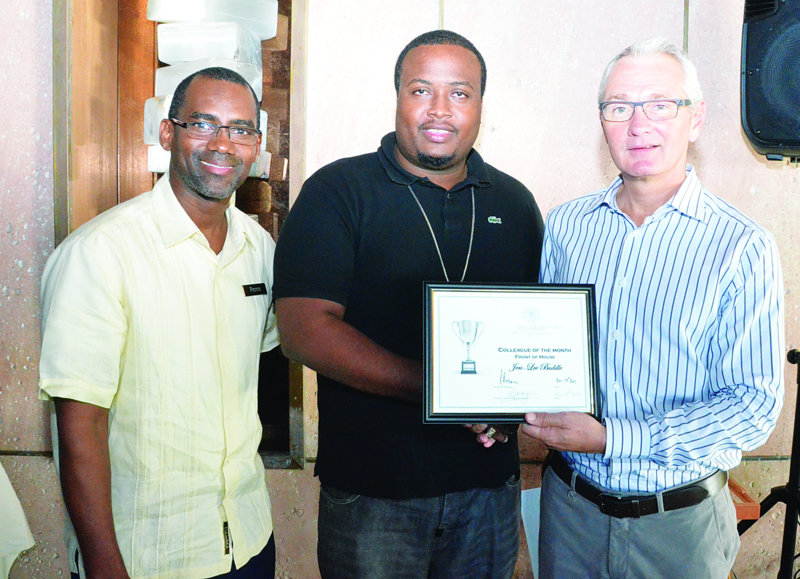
pixel 399 497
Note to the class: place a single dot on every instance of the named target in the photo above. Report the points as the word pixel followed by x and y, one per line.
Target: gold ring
pixel 490 432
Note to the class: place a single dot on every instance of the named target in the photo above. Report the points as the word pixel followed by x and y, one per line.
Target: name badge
pixel 254 289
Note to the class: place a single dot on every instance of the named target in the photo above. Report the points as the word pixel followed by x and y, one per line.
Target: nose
pixel 440 105
pixel 639 122
pixel 221 141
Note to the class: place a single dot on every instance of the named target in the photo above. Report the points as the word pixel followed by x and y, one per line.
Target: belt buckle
pixel 619 507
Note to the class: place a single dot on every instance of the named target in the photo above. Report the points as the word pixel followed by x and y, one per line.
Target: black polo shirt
pixel 357 237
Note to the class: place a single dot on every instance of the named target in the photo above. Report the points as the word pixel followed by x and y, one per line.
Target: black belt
pixel 638 505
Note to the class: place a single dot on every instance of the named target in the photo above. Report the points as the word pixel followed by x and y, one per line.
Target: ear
pixel 698 120
pixel 165 132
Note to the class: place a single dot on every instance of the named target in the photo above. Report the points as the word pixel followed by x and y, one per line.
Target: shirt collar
pixel 477 173
pixel 176 225
pixel 686 200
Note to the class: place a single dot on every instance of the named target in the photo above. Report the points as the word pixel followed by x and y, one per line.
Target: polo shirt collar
pixel 686 200
pixel 477 173
pixel 176 226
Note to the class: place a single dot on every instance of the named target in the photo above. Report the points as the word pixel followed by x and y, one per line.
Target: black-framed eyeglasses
pixel 655 110
pixel 206 131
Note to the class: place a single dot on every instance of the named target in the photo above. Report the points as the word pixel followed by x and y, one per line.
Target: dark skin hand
pixel 499 433
pixel 85 473
pixel 570 431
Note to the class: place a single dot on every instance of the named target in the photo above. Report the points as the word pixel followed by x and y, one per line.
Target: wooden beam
pixel 85 110
pixel 138 61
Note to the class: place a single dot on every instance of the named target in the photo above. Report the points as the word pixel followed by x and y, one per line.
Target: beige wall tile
pixel 544 63
pixel 294 496
pixel 26 215
pixel 352 49
pixel 35 481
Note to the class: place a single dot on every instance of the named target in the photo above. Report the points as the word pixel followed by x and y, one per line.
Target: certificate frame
pixel 535 350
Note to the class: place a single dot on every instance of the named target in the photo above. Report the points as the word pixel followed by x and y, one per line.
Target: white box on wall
pixel 169 77
pixel 184 41
pixel 258 16
pixel 155 109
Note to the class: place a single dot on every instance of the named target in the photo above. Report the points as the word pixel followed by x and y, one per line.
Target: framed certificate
pixel 496 351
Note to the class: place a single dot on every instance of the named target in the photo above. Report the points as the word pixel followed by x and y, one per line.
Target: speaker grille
pixel 757 8
pixel 771 79
pixel 780 74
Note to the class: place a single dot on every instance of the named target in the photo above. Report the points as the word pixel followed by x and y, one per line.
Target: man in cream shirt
pixel 154 317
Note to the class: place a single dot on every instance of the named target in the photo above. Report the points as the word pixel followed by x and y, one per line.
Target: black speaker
pixel 771 77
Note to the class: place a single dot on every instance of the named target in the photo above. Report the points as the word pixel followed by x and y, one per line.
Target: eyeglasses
pixel 656 110
pixel 206 131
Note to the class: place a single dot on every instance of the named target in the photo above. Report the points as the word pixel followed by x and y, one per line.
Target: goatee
pixel 431 162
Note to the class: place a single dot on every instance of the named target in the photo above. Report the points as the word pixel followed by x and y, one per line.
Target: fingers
pixel 488 435
pixel 572 431
pixel 544 419
pixel 486 441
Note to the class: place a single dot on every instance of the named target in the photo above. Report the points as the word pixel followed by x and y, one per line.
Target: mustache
pixel 222 159
pixel 437 125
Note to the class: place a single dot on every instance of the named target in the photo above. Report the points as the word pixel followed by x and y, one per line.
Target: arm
pixel 86 484
pixel 313 333
pixel 744 366
pixel 742 391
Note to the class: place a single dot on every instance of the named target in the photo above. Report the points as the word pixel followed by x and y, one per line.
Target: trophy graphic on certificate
pixel 467 331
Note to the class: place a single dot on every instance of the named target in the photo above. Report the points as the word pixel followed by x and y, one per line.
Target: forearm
pixel 330 346
pixel 86 485
pixel 707 431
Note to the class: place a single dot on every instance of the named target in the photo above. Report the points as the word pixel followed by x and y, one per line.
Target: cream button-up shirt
pixel 141 317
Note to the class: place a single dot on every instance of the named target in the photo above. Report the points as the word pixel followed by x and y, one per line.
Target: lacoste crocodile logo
pixel 497 220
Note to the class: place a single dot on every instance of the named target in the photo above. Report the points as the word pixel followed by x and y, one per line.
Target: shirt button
pixel 615 386
pixel 623 282
pixel 616 334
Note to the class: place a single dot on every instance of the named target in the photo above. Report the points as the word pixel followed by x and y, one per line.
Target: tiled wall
pixel 540 125
pixel 26 239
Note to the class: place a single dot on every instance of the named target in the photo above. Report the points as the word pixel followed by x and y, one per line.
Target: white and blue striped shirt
pixel 690 326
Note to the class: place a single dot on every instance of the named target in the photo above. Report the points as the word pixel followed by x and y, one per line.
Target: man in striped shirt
pixel 690 323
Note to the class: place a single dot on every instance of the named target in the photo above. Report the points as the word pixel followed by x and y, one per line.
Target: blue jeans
pixel 261 566
pixel 473 533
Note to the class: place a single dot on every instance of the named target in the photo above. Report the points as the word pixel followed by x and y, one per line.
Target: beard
pixel 431 162
pixel 210 186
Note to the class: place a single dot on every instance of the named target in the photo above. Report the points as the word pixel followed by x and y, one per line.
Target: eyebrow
pixel 455 83
pixel 651 97
pixel 213 119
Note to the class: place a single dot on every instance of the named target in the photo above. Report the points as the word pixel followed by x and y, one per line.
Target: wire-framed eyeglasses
pixel 206 131
pixel 655 110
